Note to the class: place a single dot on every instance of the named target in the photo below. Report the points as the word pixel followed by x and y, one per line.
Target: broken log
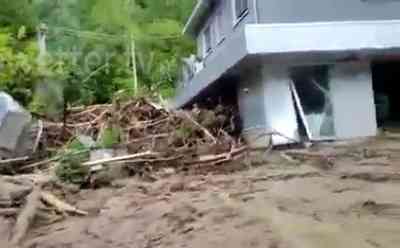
pixel 50 160
pixel 149 137
pixel 121 158
pixel 8 212
pixel 155 160
pixel 29 180
pixel 217 158
pixel 7 162
pixel 61 207
pixel 206 132
pixel 40 163
pixel 383 161
pixel 38 136
pixel 26 217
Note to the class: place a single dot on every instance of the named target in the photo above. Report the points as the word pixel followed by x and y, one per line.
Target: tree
pixel 91 40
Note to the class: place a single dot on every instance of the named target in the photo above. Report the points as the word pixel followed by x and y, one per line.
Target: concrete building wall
pixel 251 99
pixel 353 100
pixel 288 11
pixel 228 24
pixel 224 60
pixel 267 107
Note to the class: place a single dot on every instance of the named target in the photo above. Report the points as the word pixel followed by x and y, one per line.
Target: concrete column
pixel 353 100
pixel 252 108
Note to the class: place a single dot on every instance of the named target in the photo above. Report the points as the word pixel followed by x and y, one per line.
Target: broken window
pixel 311 91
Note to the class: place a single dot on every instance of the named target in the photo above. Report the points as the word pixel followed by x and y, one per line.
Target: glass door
pixel 311 92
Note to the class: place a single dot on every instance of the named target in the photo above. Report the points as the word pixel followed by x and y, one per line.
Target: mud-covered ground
pixel 348 198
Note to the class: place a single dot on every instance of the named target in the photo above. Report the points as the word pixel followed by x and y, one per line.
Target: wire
pixel 98 35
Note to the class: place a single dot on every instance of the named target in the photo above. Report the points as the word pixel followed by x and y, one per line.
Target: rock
pixel 27 141
pixel 86 141
pixel 15 124
pixel 99 154
pixel 177 186
pixel 104 175
pixel 167 172
pixel 10 193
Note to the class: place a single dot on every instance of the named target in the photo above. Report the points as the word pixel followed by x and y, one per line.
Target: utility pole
pixel 42 36
pixel 134 66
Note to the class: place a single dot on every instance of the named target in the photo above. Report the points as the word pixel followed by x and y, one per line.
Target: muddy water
pixel 278 205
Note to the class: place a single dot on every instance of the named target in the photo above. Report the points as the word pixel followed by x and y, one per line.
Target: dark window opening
pixel 386 84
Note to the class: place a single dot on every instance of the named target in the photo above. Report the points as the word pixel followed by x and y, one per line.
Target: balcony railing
pixel 190 67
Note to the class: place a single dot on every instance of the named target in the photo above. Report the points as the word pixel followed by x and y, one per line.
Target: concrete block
pixel 13 120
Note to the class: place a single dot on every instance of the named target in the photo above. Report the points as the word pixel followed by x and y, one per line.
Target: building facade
pixel 303 70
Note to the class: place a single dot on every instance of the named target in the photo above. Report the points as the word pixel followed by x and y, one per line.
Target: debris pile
pixel 147 137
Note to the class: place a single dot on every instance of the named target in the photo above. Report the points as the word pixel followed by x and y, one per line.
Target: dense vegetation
pixel 90 46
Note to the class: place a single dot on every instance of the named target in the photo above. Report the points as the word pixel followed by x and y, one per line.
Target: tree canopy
pixel 93 45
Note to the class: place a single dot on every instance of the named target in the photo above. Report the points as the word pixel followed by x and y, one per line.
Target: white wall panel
pixel 279 105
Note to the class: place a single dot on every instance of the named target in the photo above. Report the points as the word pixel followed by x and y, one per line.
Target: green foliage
pixel 17 67
pixel 48 99
pixel 71 170
pixel 110 137
pixel 155 27
pixel 76 146
pixel 89 49
pixel 184 132
pixel 15 14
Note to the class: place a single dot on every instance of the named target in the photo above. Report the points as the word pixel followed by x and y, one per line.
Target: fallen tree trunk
pixel 217 158
pixel 26 217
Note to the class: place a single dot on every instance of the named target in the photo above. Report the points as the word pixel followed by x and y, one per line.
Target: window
pixel 241 8
pixel 207 41
pixel 218 26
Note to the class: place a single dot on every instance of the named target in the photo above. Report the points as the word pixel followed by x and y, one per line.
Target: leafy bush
pixel 71 170
pixel 17 69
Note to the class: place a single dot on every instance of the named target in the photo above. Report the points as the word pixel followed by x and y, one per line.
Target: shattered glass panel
pixel 314 99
